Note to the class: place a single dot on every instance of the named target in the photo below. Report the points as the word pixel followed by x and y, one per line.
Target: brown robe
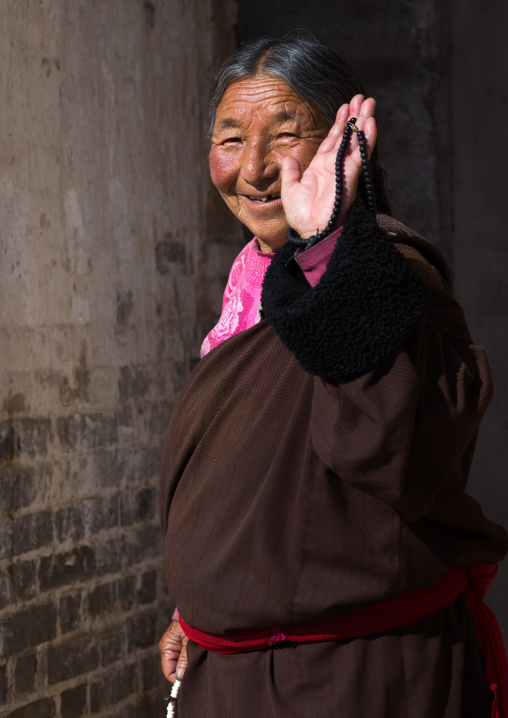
pixel 286 499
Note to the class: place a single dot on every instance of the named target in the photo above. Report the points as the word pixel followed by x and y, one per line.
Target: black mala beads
pixel 367 173
pixel 293 237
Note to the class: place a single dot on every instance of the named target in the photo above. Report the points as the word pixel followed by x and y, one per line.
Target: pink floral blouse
pixel 242 296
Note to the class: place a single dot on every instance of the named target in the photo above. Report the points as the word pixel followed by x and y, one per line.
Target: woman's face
pixel 259 121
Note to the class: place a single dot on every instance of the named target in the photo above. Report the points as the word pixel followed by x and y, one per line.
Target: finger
pixel 172 638
pixel 368 108
pixel 336 131
pixel 366 111
pixel 170 647
pixel 355 108
pixel 355 105
pixel 291 173
pixel 182 663
pixel 168 665
pixel 370 129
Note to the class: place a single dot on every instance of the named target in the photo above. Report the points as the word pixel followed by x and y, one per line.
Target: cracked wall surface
pixel 114 251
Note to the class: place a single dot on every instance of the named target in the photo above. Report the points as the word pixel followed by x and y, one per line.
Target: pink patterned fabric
pixel 242 297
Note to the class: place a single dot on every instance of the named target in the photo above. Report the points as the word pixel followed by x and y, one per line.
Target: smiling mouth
pixel 265 198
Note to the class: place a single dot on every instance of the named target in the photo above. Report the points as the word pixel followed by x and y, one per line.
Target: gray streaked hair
pixel 313 71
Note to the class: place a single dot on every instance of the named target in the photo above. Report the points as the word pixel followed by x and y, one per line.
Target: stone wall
pixel 113 256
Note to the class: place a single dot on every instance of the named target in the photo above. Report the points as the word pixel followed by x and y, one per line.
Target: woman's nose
pixel 258 164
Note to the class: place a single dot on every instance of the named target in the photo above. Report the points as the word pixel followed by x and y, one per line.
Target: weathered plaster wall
pixel 440 74
pixel 113 256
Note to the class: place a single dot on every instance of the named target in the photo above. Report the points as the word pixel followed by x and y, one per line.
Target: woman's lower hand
pixel 308 199
pixel 173 649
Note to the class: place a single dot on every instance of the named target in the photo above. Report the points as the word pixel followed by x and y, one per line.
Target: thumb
pixel 182 660
pixel 170 647
pixel 291 174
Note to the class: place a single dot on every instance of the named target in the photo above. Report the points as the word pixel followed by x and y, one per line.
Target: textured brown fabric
pixel 285 500
pixel 432 669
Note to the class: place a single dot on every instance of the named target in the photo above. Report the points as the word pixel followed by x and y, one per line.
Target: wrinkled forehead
pixel 265 100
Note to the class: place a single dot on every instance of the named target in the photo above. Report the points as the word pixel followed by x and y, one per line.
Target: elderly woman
pixel 320 546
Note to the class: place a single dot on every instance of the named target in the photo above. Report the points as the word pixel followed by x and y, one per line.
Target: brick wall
pixel 113 255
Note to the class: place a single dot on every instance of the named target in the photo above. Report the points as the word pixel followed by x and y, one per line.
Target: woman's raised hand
pixel 308 198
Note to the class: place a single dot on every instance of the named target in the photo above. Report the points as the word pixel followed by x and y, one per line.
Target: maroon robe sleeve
pixel 400 388
pixel 405 431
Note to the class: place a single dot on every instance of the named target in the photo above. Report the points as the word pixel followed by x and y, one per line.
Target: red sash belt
pixel 388 615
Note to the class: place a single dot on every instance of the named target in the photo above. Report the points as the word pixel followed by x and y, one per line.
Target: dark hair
pixel 312 70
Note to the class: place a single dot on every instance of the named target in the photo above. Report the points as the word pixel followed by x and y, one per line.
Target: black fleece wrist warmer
pixel 363 309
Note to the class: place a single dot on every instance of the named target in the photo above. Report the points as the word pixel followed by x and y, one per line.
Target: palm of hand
pixel 308 198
